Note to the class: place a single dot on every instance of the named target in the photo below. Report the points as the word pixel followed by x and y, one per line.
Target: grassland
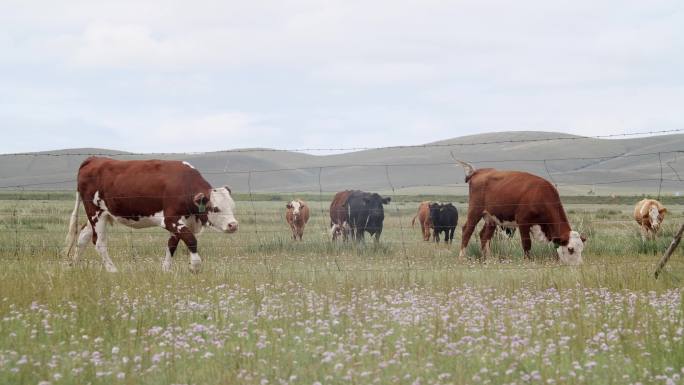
pixel 267 310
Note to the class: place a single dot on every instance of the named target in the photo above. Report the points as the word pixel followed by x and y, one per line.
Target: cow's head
pixel 220 209
pixel 376 213
pixel 571 252
pixel 296 207
pixel 339 230
pixel 656 216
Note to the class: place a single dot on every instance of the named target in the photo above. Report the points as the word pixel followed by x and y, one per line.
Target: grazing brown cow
pixel 520 199
pixel 146 193
pixel 423 216
pixel 339 215
pixel 649 214
pixel 297 215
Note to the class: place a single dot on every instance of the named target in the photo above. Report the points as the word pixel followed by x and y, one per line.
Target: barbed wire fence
pixel 266 222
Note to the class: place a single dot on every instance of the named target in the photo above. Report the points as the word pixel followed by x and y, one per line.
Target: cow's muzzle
pixel 232 227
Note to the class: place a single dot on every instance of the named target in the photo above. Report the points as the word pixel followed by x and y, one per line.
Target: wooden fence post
pixel 669 251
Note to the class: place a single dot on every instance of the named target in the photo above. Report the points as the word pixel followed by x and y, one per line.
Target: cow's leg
pixel 468 228
pixel 486 235
pixel 426 231
pixel 191 242
pixel 644 233
pixel 525 239
pixel 171 247
pixel 101 243
pixel 377 236
pixel 435 235
pixel 360 235
pixel 294 231
pixel 84 236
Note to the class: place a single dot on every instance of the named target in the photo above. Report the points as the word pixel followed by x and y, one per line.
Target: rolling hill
pixel 577 165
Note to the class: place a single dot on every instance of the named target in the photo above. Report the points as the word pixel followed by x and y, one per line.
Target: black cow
pixel 366 214
pixel 444 219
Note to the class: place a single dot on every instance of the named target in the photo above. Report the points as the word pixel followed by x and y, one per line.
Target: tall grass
pixel 269 310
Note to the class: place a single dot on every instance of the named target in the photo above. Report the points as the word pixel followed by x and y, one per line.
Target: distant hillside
pixel 577 165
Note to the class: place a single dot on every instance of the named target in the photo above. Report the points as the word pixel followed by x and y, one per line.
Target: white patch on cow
pixel 576 245
pixel 157 219
pixel 192 223
pixel 188 164
pixel 96 199
pixel 223 219
pixel 538 234
pixel 654 217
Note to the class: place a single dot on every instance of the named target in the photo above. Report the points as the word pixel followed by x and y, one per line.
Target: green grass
pixel 266 308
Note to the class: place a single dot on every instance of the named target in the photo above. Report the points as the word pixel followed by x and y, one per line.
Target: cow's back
pixel 506 191
pixel 140 187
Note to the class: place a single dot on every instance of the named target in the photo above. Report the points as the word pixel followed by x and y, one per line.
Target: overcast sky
pixel 177 76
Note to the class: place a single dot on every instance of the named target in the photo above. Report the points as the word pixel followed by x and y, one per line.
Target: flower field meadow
pixel 267 310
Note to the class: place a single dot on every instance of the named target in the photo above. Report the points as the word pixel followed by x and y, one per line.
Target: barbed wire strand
pixel 351 149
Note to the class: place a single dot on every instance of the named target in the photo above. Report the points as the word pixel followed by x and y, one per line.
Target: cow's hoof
pixel 195 267
pixel 111 269
pixel 166 267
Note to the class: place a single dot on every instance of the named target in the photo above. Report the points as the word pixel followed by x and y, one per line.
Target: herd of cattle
pixel 173 195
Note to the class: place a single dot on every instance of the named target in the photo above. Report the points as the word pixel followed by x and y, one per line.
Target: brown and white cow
pixel 297 215
pixel 649 214
pixel 514 198
pixel 147 193
pixel 339 215
pixel 423 216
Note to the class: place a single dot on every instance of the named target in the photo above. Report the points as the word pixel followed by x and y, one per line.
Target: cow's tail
pixel 469 170
pixel 73 226
pixel 413 221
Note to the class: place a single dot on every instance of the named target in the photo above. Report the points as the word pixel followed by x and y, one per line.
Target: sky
pixel 192 76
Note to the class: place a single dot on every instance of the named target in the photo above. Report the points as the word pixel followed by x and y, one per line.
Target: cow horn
pixel 469 170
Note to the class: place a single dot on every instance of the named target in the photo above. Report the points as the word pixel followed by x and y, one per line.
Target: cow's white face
pixel 571 254
pixel 221 212
pixel 655 217
pixel 296 207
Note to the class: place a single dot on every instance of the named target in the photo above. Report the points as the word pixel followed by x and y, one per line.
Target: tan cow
pixel 423 216
pixel 297 215
pixel 649 214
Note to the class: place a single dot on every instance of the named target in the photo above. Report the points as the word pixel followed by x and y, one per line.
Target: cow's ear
pixel 289 205
pixel 663 210
pixel 201 202
pixel 386 200
pixel 228 188
pixel 583 238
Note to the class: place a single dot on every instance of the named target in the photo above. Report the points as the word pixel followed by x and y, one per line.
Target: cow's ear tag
pixel 202 207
